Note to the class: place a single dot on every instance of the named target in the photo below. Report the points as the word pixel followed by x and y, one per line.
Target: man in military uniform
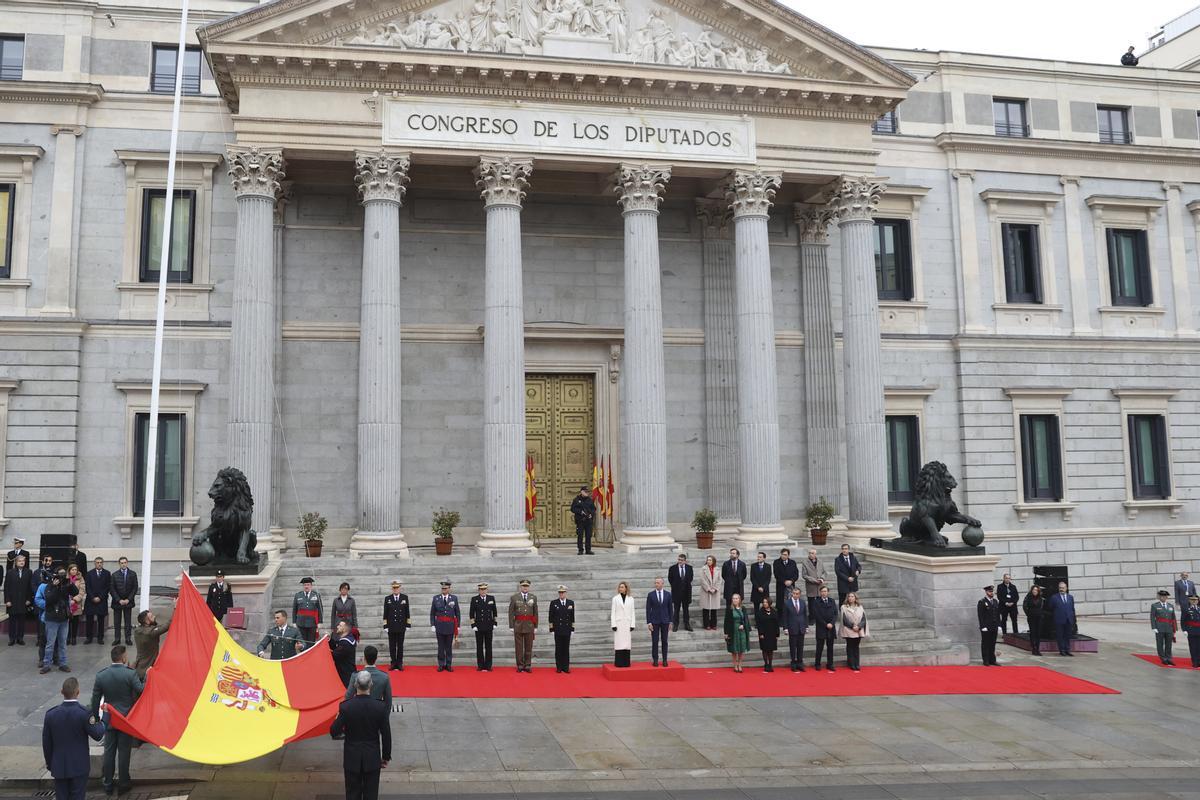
pixel 18 550
pixel 282 641
pixel 397 620
pixel 988 611
pixel 562 624
pixel 220 596
pixel 1191 626
pixel 483 616
pixel 120 687
pixel 1163 623
pixel 307 611
pixel 444 618
pixel 522 621
pixel 583 508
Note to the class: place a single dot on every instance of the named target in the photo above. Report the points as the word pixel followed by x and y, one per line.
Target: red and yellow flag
pixel 610 492
pixel 597 484
pixel 211 701
pixel 530 488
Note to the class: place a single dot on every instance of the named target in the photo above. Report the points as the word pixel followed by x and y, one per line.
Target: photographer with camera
pixel 55 604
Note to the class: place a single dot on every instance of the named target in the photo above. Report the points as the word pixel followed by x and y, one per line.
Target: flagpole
pixel 164 267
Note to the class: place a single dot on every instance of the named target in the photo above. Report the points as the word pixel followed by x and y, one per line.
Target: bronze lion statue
pixel 228 537
pixel 932 507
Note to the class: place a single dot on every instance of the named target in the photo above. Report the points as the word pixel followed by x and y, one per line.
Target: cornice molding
pixel 21 151
pixel 162 157
pixel 84 94
pixel 1064 149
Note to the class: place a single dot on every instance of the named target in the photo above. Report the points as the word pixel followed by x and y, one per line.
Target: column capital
pixel 255 170
pixel 1069 180
pixel 813 222
pixel 502 180
pixel 857 197
pixel 640 186
pixel 380 175
pixel 714 217
pixel 749 192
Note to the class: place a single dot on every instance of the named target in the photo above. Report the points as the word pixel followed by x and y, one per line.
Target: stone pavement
pixel 1139 744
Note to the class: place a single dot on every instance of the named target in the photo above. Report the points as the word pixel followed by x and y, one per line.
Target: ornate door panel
pixel 560 435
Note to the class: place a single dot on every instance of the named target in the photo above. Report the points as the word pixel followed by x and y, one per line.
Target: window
pixel 1148 457
pixel 154 209
pixel 162 75
pixel 1114 125
pixel 1010 117
pixel 1041 458
pixel 1129 267
pixel 888 123
pixel 904 456
pixel 168 481
pixel 8 193
pixel 12 57
pixel 1022 268
pixel 893 260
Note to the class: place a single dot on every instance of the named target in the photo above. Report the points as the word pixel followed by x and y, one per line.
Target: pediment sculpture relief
pixel 601 29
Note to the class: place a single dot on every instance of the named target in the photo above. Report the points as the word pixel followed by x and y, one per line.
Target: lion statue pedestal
pixel 228 542
pixel 933 509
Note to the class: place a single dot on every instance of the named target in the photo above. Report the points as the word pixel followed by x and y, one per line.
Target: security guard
pixel 307 611
pixel 562 624
pixel 397 620
pixel 220 596
pixel 1163 623
pixel 1191 626
pixel 483 622
pixel 522 621
pixel 444 617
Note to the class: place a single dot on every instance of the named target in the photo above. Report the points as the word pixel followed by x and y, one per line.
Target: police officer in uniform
pixel 220 596
pixel 1191 626
pixel 483 621
pixel 1163 623
pixel 444 617
pixel 522 621
pixel 562 624
pixel 307 610
pixel 397 620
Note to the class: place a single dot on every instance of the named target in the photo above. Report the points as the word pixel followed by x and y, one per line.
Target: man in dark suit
pixel 18 550
pixel 363 725
pixel 795 623
pixel 658 620
pixel 282 641
pixel 989 625
pixel 220 596
pixel 824 621
pixel 18 599
pixel 847 569
pixel 733 573
pixel 760 581
pixel 76 556
pixel 680 581
pixel 562 624
pixel 397 620
pixel 120 687
pixel 787 574
pixel 1007 596
pixel 1185 587
pixel 97 587
pixel 124 596
pixel 64 743
pixel 483 623
pixel 1062 613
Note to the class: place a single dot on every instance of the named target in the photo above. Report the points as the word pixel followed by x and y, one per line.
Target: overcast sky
pixel 1097 31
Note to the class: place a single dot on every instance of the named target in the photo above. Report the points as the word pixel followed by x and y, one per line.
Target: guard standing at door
pixel 584 509
pixel 562 625
pixel 483 622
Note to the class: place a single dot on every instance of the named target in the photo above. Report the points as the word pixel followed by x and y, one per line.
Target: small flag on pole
pixel 530 488
pixel 597 483
pixel 610 493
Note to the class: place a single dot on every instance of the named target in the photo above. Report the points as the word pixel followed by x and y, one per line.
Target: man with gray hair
pixel 364 726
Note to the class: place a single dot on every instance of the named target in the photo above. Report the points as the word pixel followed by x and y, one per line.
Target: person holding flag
pixel 584 509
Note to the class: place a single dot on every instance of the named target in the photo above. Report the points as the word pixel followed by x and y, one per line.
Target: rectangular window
pixel 1010 117
pixel 168 481
pixel 162 71
pixel 1022 268
pixel 12 57
pixel 154 209
pixel 904 456
pixel 1148 456
pixel 1113 123
pixel 888 123
pixel 1129 267
pixel 893 260
pixel 1041 458
pixel 8 196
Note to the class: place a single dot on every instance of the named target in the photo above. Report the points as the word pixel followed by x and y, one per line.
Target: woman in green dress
pixel 737 631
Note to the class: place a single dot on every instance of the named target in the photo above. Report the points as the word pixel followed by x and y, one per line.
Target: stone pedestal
pixel 251 592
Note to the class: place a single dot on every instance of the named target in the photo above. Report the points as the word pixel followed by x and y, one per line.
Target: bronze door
pixel 560 434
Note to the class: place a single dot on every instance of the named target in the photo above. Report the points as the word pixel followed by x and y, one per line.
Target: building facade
pixel 749 262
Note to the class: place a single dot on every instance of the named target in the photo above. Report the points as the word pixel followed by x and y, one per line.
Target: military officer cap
pixel 989 588
pixel 397 583
pixel 306 580
pixel 446 583
pixel 220 574
pixel 562 588
pixel 524 582
pixel 18 540
pixel 481 586
pixel 1163 593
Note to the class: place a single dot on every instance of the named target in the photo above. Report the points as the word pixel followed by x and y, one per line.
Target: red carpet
pixel 544 682
pixel 1180 663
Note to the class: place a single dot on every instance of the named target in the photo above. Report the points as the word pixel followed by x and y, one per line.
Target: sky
pixel 1096 31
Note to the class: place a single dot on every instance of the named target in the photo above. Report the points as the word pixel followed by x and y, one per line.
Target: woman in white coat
pixel 624 619
pixel 712 589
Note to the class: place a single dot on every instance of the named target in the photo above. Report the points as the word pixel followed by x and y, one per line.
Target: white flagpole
pixel 164 267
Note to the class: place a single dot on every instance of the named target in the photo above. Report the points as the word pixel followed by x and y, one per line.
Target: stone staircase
pixel 898 635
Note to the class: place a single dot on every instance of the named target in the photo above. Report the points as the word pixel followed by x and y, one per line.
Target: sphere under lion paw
pixel 972 536
pixel 202 553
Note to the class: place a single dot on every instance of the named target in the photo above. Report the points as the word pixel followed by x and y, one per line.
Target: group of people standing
pixel 1167 618
pixel 998 607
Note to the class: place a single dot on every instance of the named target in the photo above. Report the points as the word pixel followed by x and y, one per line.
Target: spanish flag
pixel 610 492
pixel 530 488
pixel 210 701
pixel 598 485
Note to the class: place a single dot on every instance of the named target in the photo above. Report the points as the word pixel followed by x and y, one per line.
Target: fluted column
pixel 255 174
pixel 381 178
pixel 820 359
pixel 643 380
pixel 501 182
pixel 278 539
pixel 749 194
pixel 866 444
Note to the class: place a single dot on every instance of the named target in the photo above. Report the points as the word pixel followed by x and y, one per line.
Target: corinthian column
pixel 749 194
pixel 820 361
pixel 381 178
pixel 502 183
pixel 643 380
pixel 255 174
pixel 866 444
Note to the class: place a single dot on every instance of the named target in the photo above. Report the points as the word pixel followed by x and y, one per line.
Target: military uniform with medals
pixel 562 624
pixel 307 611
pixel 397 620
pixel 444 618
pixel 483 614
pixel 1163 623
pixel 1191 626
pixel 522 621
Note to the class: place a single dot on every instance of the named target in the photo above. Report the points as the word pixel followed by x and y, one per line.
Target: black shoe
pixel 675 628
pixel 1069 654
pixel 449 669
pixel 108 790
pixel 567 669
pixel 829 669
pixel 655 664
pixel 799 668
pixel 64 668
pixel 99 641
pixel 440 669
pixel 21 642
pixel 87 641
pixel 128 642
pixel 579 553
pixel 590 553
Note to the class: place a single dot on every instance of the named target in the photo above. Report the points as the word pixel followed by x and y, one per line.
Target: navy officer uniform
pixel 483 616
pixel 1190 619
pixel 397 619
pixel 444 618
pixel 65 735
pixel 562 625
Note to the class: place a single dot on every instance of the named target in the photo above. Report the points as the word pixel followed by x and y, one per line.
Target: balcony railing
pixel 1016 129
pixel 1116 137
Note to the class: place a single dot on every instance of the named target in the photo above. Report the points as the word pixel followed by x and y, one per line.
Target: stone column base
pixel 378 544
pixel 635 540
pixel 753 537
pixel 860 532
pixel 279 537
pixel 493 543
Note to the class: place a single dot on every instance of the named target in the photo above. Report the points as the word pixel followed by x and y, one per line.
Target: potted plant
pixel 817 517
pixel 312 530
pixel 705 522
pixel 444 523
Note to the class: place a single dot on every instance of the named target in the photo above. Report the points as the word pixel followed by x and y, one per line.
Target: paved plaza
pixel 1138 744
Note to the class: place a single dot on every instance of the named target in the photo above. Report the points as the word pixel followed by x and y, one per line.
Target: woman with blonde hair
pixel 624 620
pixel 75 578
pixel 852 626
pixel 737 631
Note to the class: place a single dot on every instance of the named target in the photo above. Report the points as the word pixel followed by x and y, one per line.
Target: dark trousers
pixel 16 627
pixel 94 625
pixel 842 598
pixel 70 788
pixel 852 652
pixel 72 629
pixel 116 757
pixel 657 633
pixel 987 646
pixel 796 649
pixel 824 642
pixel 678 605
pixel 1164 641
pixel 309 635
pixel 483 649
pixel 445 653
pixel 41 641
pixel 1006 613
pixel 362 785
pixel 1063 634
pixel 812 605
pixel 1194 648
pixel 583 536
pixel 123 615
pixel 562 650
pixel 1035 635
pixel 396 647
pixel 708 617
